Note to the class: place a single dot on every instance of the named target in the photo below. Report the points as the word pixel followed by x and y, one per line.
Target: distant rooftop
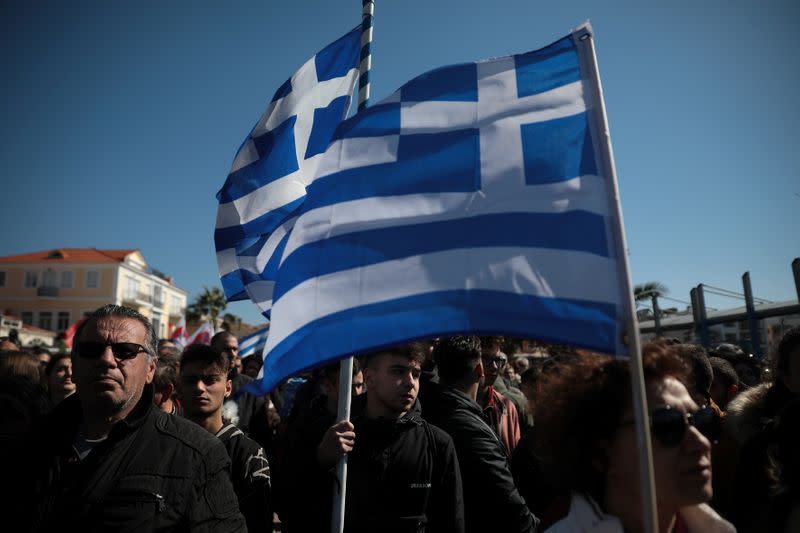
pixel 70 255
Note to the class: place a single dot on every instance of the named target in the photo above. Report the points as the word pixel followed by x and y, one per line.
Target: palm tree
pixel 645 291
pixel 208 304
pixel 231 321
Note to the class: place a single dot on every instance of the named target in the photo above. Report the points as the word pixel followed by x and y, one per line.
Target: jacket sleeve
pixel 213 506
pixel 254 497
pixel 489 465
pixel 446 506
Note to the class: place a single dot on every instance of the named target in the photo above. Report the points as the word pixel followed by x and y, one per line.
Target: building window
pixel 2 278
pixel 92 279
pixel 27 317
pixel 157 324
pixel 46 320
pixel 66 279
pixel 175 306
pixel 131 288
pixel 31 280
pixel 49 279
pixel 63 321
pixel 158 295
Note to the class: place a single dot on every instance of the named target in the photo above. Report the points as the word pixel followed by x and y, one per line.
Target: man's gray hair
pixel 110 310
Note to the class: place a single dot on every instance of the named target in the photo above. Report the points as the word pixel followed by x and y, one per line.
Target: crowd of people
pixel 131 433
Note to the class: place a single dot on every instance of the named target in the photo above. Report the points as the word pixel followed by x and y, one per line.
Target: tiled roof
pixel 70 255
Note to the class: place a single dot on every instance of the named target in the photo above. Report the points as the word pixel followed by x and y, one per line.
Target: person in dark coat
pixel 488 484
pixel 203 389
pixel 752 419
pixel 403 473
pixel 105 459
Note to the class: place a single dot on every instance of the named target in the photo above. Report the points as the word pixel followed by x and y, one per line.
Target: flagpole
pixel 346 370
pixel 584 42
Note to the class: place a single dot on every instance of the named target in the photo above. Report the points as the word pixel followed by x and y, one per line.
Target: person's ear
pixel 478 370
pixel 733 390
pixel 228 388
pixel 369 377
pixel 151 369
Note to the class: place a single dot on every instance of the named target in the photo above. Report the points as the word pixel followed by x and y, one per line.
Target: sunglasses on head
pixel 669 424
pixel 121 350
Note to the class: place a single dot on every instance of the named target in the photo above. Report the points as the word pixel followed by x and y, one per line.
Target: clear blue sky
pixel 120 119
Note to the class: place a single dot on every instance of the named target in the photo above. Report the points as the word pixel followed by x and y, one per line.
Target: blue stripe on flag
pixel 266 223
pixel 283 90
pixel 277 158
pixel 587 324
pixel 454 83
pixel 557 150
pixel 376 121
pixel 320 136
pixel 233 286
pixel 547 68
pixel 440 162
pixel 572 230
pixel 339 57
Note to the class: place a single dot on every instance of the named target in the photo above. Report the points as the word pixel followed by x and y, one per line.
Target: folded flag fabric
pixel 179 333
pixel 202 335
pixel 254 343
pixel 274 165
pixel 471 200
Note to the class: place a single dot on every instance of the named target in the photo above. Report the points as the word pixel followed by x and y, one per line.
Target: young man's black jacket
pixel 250 477
pixel 402 476
pixel 155 471
pixel 491 499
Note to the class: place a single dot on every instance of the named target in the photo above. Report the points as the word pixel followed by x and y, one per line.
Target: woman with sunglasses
pixel 586 439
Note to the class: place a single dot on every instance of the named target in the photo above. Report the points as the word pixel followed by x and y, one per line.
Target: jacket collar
pixel 67 417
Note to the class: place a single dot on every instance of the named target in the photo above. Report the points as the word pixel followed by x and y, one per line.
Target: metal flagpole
pixel 346 370
pixel 584 42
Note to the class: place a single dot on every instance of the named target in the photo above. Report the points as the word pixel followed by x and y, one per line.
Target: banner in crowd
pixel 202 335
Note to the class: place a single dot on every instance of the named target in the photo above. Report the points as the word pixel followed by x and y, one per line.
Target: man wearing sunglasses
pixel 106 458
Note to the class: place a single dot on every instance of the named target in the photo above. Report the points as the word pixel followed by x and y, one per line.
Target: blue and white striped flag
pixel 275 164
pixel 254 343
pixel 471 200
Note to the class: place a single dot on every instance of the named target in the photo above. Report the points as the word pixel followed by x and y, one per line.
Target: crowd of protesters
pixel 128 433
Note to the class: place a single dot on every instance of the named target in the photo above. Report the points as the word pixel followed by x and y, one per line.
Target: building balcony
pixel 50 292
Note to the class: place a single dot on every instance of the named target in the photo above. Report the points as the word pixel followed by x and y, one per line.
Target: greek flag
pixel 274 165
pixel 471 200
pixel 254 343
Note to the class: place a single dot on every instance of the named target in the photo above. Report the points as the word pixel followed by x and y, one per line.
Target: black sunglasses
pixel 669 424
pixel 121 350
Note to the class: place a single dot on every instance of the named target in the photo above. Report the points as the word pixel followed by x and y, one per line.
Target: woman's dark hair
pixel 580 408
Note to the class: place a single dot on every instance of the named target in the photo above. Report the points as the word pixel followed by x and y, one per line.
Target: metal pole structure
pixel 796 272
pixel 656 313
pixel 584 43
pixel 755 334
pixel 701 313
pixel 346 371
pixel 695 313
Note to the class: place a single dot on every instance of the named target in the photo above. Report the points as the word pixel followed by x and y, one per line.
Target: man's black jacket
pixel 491 499
pixel 402 476
pixel 155 471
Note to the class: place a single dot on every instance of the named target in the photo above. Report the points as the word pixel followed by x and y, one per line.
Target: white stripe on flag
pixel 585 194
pixel 533 271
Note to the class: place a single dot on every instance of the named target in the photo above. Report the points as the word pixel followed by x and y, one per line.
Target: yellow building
pixel 54 288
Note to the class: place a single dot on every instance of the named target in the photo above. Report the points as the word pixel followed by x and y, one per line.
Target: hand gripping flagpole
pixel 346 370
pixel 584 42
